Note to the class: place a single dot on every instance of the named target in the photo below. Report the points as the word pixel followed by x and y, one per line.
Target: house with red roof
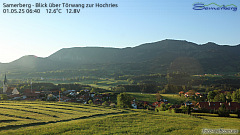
pixel 231 106
pixel 30 94
pixel 198 94
pixel 98 101
pixel 12 91
pixel 181 93
pixel 158 104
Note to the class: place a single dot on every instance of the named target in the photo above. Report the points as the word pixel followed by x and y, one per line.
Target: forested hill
pixel 158 57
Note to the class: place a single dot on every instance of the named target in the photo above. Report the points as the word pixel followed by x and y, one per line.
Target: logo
pixel 214 6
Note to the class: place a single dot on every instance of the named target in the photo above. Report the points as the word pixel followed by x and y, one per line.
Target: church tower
pixel 5 85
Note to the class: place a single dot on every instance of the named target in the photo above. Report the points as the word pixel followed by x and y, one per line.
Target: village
pixel 87 96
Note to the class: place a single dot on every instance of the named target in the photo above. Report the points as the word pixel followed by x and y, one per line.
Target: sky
pixel 132 23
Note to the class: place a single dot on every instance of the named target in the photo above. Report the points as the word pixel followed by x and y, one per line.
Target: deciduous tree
pixel 211 96
pixel 236 96
pixel 222 97
pixel 124 100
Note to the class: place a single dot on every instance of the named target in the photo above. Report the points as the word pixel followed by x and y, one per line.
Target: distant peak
pixel 176 41
pixel 210 43
pixel 30 56
pixel 173 40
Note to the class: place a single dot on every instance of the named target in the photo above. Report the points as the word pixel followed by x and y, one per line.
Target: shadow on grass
pixel 44 123
pixel 30 111
pixel 7 121
pixel 15 116
pixel 211 115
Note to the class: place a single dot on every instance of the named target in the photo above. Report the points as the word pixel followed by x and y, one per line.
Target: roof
pixel 197 93
pixel 65 97
pixel 104 95
pixel 9 90
pixel 27 91
pixel 159 103
pixel 98 96
pixel 32 94
pixel 5 79
pixel 216 105
pixel 181 92
pixel 15 91
pixel 143 101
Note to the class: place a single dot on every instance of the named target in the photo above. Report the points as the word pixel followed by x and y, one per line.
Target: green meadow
pixel 71 118
pixel 172 98
pixel 104 83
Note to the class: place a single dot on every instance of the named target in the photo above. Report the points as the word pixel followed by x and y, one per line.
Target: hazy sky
pixel 134 22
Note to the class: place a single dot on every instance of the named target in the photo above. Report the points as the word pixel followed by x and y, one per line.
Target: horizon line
pixel 120 47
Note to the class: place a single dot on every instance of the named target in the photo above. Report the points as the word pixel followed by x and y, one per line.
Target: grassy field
pixel 172 98
pixel 104 83
pixel 69 118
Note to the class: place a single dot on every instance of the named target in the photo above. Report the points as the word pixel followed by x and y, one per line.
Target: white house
pixel 15 91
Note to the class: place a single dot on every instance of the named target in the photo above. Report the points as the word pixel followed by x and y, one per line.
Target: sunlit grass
pixel 100 120
pixel 103 83
pixel 172 98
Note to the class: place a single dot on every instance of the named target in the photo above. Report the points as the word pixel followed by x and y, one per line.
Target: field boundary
pixel 57 121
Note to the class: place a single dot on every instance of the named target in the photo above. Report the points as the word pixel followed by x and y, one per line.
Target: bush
pixel 170 110
pixel 3 97
pixel 222 111
pixel 178 110
pixel 163 107
pixel 238 113
pixel 173 110
pixel 183 109
pixel 203 110
pixel 90 102
pixel 168 105
pixel 105 103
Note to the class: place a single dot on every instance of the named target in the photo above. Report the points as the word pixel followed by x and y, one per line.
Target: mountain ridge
pixel 157 57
